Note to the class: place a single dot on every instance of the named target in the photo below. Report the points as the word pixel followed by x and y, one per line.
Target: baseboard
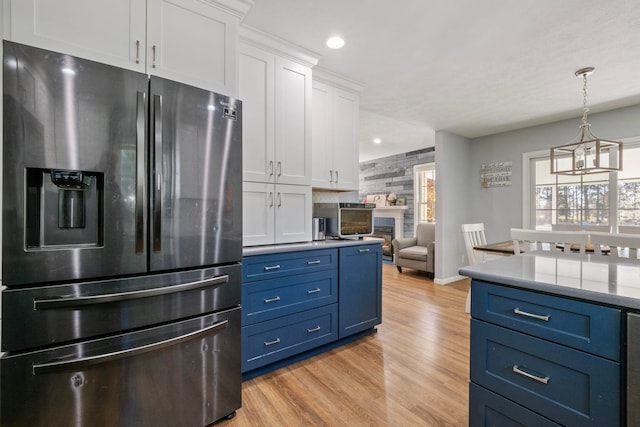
pixel 448 280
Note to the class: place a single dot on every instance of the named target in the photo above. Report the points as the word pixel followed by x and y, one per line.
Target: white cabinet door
pixel 321 137
pixel 189 41
pixel 335 138
pixel 112 31
pixel 345 140
pixel 256 90
pixel 258 221
pixel 293 123
pixel 194 42
pixel 293 213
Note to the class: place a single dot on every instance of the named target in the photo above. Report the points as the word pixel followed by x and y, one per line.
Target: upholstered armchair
pixel 416 252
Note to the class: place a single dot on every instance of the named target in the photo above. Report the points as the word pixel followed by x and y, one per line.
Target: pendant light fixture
pixel 589 154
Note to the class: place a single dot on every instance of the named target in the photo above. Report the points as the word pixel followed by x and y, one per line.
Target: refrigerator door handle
pixel 157 158
pixel 66 302
pixel 140 172
pixel 78 364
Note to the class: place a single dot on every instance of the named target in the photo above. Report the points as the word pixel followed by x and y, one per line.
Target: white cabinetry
pixel 334 138
pixel 190 41
pixel 275 213
pixel 276 93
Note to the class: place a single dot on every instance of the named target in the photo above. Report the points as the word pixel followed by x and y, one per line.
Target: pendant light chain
pixel 584 100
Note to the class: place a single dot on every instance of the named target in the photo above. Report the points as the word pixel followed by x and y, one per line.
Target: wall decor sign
pixel 496 174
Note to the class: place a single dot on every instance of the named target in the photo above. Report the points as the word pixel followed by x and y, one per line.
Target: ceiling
pixel 470 67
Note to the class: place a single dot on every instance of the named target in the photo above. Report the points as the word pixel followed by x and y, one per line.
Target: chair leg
pixel 399 268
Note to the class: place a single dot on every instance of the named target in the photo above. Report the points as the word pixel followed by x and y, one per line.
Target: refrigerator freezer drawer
pixel 51 315
pixel 181 374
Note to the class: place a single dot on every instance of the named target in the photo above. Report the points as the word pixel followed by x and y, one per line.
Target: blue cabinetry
pixel 294 302
pixel 360 288
pixel 543 356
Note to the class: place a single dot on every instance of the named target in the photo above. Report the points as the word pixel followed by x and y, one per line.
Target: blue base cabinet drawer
pixel 568 386
pixel 581 325
pixel 487 409
pixel 268 299
pixel 261 267
pixel 270 341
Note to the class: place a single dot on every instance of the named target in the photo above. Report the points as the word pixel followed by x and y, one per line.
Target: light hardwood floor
pixel 413 372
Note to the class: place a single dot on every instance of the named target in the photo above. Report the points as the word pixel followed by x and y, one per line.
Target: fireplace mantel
pixel 395 212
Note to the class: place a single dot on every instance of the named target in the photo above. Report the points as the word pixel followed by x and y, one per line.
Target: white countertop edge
pixel 307 246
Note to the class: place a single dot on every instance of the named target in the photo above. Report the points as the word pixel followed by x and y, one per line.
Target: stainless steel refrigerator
pixel 122 243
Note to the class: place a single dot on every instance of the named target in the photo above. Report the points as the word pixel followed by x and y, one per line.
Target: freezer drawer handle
pixel 535 316
pixel 48 367
pixel 517 370
pixel 49 303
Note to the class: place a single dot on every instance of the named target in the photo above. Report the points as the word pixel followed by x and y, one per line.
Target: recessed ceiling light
pixel 335 42
pixel 377 141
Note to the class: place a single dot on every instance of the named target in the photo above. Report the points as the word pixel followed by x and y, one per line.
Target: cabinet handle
pixel 279 168
pixel 268 343
pixel 535 316
pixel 137 51
pixel 517 370
pixel 279 199
pixel 317 261
pixel 336 177
pixel 363 250
pixel 275 299
pixel 271 267
pixel 270 198
pixel 316 329
pixel 331 176
pixel 153 51
pixel 313 291
pixel 270 168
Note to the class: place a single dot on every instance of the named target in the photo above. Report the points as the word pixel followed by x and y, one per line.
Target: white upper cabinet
pixel 190 41
pixel 276 95
pixel 335 138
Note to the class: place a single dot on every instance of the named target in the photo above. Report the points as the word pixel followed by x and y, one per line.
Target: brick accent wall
pixel 394 174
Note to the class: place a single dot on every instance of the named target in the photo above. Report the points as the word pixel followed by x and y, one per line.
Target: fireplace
pixel 384 228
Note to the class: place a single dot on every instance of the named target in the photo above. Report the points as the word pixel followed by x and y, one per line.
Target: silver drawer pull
pixel 316 329
pixel 313 291
pixel 535 316
pixel 542 380
pixel 363 250
pixel 317 261
pixel 276 341
pixel 271 267
pixel 268 300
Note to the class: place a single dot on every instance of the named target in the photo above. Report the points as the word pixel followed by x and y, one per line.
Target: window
pixel 425 192
pixel 596 199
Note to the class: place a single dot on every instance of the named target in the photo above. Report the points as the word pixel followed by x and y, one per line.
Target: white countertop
pixel 308 246
pixel 588 277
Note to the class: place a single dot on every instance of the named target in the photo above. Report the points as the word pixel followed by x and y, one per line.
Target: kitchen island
pixel 554 340
pixel 302 299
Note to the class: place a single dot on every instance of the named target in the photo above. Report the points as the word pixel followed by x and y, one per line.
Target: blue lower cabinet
pixel 360 288
pixel 273 340
pixel 489 409
pixel 566 385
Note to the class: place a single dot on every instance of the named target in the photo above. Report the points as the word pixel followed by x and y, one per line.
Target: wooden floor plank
pixel 413 372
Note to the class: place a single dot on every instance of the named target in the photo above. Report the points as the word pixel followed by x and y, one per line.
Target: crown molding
pixel 278 46
pixel 238 8
pixel 327 76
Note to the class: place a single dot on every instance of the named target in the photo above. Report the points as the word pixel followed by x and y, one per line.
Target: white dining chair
pixel 473 236
pixel 616 245
pixel 539 240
